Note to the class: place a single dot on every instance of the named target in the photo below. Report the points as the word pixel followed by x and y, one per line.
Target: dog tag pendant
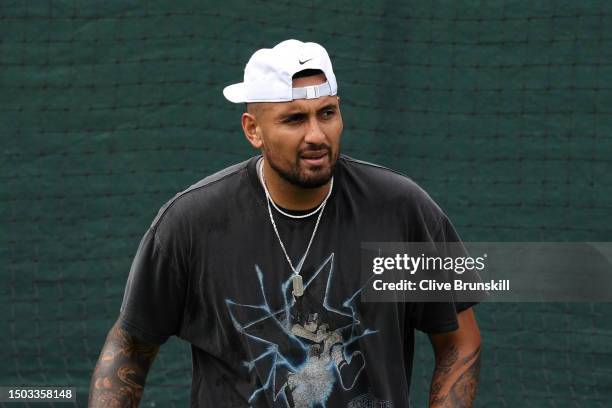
pixel 298 285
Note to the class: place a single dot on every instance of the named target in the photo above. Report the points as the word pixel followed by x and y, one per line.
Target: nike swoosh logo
pixel 303 62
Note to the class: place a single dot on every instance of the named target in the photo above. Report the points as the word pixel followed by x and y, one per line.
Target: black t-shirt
pixel 211 271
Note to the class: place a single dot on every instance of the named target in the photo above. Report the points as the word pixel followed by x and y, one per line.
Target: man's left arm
pixel 457 353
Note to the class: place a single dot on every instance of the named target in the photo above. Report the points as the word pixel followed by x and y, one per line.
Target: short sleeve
pixel 435 317
pixel 153 300
pixel 441 317
pixel 447 233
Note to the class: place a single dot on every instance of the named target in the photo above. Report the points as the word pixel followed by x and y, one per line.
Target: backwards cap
pixel 269 74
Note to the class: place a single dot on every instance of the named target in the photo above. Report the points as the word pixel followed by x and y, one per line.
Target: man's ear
pixel 249 126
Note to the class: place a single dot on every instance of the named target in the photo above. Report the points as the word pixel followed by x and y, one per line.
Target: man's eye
pixel 293 119
pixel 329 113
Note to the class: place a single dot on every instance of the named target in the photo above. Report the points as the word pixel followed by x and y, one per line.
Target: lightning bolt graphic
pixel 280 353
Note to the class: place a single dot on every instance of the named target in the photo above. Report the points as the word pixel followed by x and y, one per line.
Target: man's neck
pixel 289 196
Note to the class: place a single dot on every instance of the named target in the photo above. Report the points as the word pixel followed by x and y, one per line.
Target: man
pixel 257 267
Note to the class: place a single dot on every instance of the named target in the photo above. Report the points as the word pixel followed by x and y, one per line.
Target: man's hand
pixel 119 378
pixel 455 377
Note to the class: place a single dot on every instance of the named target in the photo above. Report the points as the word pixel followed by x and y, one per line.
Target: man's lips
pixel 315 157
pixel 314 154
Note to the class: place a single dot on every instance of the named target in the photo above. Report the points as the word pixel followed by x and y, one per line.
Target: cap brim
pixel 235 93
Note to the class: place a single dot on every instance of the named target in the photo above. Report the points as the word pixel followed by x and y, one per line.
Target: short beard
pixel 297 177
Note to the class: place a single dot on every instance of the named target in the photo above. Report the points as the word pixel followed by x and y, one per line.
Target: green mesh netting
pixel 501 110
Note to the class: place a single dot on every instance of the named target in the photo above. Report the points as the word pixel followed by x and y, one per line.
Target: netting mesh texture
pixel 502 111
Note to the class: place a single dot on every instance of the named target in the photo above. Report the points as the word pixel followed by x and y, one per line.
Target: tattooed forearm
pixel 455 379
pixel 119 378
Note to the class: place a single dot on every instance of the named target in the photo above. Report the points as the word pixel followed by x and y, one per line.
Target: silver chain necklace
pixel 297 282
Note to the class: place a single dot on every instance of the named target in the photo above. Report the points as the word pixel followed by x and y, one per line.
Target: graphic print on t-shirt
pixel 308 346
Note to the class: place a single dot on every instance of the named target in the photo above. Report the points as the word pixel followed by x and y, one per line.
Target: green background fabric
pixel 501 110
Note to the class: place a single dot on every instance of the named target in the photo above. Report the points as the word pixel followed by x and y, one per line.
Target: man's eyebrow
pixel 328 106
pixel 295 111
pixel 291 113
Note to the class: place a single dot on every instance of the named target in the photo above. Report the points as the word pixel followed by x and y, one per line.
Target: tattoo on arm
pixel 455 380
pixel 119 378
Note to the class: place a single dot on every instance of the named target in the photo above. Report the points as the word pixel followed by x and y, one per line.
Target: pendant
pixel 298 285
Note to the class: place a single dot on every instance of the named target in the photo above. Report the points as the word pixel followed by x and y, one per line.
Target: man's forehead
pixel 300 105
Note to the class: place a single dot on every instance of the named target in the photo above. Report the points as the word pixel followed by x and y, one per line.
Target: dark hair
pixel 307 73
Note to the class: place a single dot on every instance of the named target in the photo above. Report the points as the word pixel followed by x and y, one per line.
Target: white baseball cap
pixel 269 74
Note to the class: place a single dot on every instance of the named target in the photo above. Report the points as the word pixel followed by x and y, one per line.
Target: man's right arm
pixel 119 377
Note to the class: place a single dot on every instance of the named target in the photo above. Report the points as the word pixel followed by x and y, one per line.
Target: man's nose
pixel 314 133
